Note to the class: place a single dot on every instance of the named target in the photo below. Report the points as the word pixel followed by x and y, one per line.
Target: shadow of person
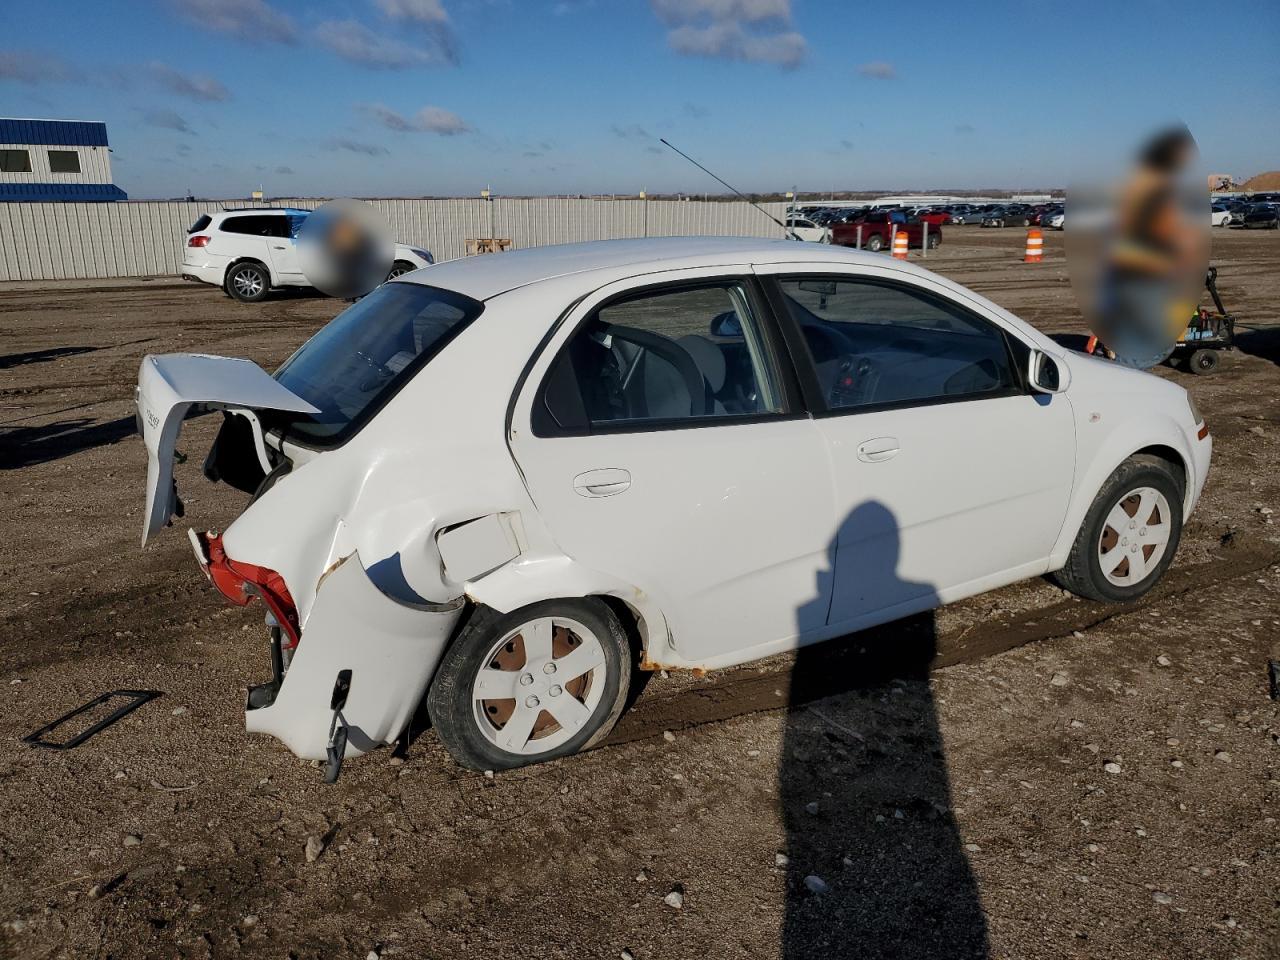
pixel 875 866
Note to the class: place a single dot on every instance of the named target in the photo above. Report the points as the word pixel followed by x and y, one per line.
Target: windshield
pixel 364 355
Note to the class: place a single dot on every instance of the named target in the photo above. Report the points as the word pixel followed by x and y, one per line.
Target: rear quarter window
pixel 201 223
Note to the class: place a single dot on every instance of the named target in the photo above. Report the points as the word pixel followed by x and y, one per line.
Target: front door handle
pixel 879 449
pixel 602 483
pixel 279 248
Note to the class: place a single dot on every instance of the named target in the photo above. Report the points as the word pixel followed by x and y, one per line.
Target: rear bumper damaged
pixel 391 648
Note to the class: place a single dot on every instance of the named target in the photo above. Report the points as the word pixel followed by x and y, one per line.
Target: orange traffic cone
pixel 900 245
pixel 1035 246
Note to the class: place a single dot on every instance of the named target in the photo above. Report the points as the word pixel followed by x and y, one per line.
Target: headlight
pixel 1195 412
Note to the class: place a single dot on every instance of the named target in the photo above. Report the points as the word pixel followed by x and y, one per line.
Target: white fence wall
pixel 59 241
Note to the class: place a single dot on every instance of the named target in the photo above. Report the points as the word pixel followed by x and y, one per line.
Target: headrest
pixel 708 357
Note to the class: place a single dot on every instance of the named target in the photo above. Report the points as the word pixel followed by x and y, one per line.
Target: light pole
pixel 487 196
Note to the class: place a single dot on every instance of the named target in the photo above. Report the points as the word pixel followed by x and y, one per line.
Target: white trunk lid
pixel 168 385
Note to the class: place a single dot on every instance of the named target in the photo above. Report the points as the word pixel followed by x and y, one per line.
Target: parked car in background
pixel 1001 216
pixel 877 231
pixel 1219 216
pixel 933 215
pixel 1236 210
pixel 1056 221
pixel 463 496
pixel 248 252
pixel 965 214
pixel 806 229
pixel 1262 216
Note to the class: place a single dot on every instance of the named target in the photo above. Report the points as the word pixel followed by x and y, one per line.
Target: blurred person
pixel 1144 300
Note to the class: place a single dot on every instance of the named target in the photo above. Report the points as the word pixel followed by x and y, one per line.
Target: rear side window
pixel 15 161
pixel 201 223
pixel 367 353
pixel 258 225
pixel 877 344
pixel 64 161
pixel 668 358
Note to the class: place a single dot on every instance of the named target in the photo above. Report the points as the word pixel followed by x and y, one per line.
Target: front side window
pixel 876 344
pixel 15 161
pixel 672 358
pixel 367 352
pixel 64 161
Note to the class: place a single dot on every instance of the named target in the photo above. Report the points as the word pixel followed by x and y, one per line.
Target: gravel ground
pixel 1022 775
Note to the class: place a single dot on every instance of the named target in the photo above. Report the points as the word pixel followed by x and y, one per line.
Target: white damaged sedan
pixel 505 481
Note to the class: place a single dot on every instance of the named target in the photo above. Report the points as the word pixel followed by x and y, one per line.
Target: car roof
pixel 295 211
pixel 486 276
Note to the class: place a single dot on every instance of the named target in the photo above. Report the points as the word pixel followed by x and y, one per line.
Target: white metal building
pixel 55 160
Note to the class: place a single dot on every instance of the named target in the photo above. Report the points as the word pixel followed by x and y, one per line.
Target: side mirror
pixel 1045 374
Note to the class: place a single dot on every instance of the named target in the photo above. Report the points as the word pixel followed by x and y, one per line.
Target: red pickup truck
pixel 877 229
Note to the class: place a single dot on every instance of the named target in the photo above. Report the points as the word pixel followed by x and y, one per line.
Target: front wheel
pixel 874 243
pixel 541 682
pixel 934 240
pixel 400 268
pixel 248 282
pixel 1130 534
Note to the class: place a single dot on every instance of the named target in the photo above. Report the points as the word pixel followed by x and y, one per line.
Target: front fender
pixel 1119 443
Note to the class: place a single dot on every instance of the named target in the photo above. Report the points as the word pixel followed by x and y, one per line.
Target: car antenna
pixel 791 234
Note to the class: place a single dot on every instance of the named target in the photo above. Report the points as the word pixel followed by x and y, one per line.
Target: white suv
pixel 247 252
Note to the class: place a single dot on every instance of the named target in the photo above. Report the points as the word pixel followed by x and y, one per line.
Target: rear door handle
pixel 878 449
pixel 602 483
pixel 279 248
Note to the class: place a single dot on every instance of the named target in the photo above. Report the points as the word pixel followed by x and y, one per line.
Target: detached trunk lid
pixel 168 386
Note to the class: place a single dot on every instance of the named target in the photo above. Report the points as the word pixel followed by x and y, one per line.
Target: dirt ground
pixel 1024 775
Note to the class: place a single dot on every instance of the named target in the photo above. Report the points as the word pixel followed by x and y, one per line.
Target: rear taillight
pixel 199 240
pixel 240 582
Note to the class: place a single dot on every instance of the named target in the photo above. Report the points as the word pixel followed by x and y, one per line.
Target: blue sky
pixel 441 97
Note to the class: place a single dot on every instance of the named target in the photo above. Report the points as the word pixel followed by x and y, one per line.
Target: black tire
pixel 1082 573
pixel 934 240
pixel 248 282
pixel 449 700
pixel 1203 362
pixel 874 243
pixel 400 268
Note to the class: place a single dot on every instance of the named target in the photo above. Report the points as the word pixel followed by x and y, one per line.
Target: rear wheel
pixel 1130 534
pixel 1203 361
pixel 934 240
pixel 538 683
pixel 874 243
pixel 248 282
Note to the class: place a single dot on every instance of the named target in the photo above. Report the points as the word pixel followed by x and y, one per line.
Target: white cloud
pixel 757 31
pixel 355 146
pixel 252 20
pixel 878 70
pixel 419 11
pixel 29 67
pixel 167 120
pixel 427 120
pixel 194 86
pixel 354 42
